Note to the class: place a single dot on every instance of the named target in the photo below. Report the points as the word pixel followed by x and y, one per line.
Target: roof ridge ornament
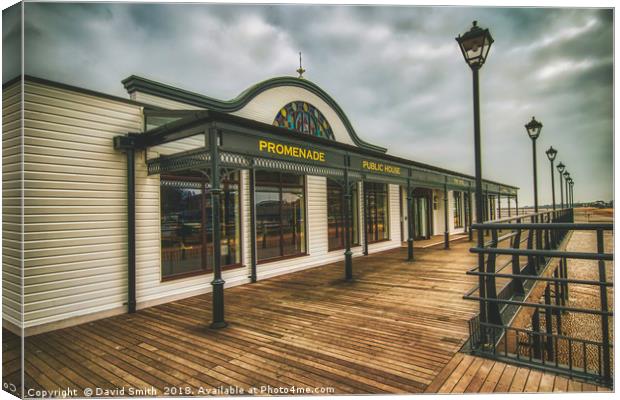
pixel 300 70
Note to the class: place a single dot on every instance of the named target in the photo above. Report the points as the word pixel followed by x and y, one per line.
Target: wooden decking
pixel 468 374
pixel 396 329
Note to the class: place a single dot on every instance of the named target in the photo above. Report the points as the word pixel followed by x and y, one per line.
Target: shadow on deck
pixel 396 329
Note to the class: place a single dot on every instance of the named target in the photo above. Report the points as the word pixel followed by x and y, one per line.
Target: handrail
pixel 543 236
pixel 552 226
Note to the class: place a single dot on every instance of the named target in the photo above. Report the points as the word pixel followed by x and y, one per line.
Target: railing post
pixel 557 289
pixel 531 260
pixel 565 270
pixel 491 287
pixel 602 277
pixel 536 343
pixel 517 283
pixel 548 324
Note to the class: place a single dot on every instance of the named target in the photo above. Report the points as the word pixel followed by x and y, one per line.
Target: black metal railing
pixel 523 292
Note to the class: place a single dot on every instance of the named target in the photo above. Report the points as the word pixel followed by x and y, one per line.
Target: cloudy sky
pixel 395 70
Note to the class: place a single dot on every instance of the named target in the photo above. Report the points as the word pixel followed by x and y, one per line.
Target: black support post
pixel 253 273
pixel 469 216
pixel 508 200
pixel 602 277
pixel 348 255
pixel 446 233
pixel 127 144
pixel 499 205
pixel 479 199
pixel 365 218
pixel 548 324
pixel 552 186
pixel 535 176
pixel 131 231
pixel 516 204
pixel 216 191
pixel 561 192
pixel 410 226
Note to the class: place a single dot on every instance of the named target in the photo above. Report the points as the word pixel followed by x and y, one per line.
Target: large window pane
pixel 187 229
pixel 293 240
pixel 280 215
pixel 377 218
pixel 458 209
pixel 181 234
pixel 335 216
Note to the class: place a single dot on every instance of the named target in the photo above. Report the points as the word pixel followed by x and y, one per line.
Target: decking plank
pixel 397 328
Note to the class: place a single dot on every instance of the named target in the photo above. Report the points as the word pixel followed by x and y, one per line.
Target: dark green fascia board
pixel 137 83
pixel 194 119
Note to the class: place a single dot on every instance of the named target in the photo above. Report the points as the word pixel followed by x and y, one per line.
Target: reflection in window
pixel 280 215
pixel 458 209
pixel 187 229
pixel 376 203
pixel 335 216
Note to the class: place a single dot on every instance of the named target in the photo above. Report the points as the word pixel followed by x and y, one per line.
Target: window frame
pixel 281 185
pixel 457 209
pixel 355 241
pixel 388 230
pixel 204 270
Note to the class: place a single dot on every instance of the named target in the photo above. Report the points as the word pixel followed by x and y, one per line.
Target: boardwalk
pixel 396 329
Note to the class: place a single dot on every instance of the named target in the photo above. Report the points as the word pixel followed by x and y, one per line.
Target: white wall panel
pixel 12 228
pixel 75 217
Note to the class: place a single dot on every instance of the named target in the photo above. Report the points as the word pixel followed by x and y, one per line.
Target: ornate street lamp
pixel 566 175
pixel 551 153
pixel 572 200
pixel 475 45
pixel 561 168
pixel 533 130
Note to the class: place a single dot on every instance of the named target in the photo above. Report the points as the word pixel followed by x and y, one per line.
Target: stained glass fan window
pixel 305 118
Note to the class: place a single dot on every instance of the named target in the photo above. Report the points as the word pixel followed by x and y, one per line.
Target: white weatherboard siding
pixel 263 108
pixel 75 222
pixel 12 228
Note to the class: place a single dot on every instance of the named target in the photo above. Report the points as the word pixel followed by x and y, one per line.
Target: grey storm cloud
pixel 395 70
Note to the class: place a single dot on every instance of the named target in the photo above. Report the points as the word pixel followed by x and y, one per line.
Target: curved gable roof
pixel 136 83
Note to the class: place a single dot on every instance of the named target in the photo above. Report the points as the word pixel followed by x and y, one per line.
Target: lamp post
pixel 561 168
pixel 475 45
pixel 551 153
pixel 566 175
pixel 533 130
pixel 572 200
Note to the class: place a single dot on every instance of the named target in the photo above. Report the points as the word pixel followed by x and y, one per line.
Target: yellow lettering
pixel 291 151
pixel 380 167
